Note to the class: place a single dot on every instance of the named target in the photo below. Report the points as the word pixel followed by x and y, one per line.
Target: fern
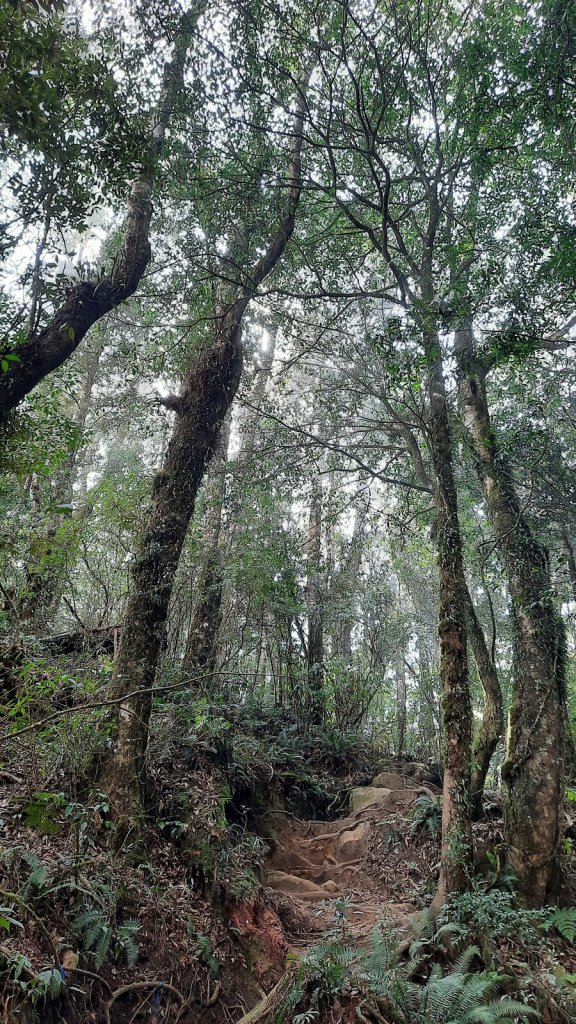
pixel 564 921
pixel 206 953
pixel 125 941
pixel 460 997
pixel 101 940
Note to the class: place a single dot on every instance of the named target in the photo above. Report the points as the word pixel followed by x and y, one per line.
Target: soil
pixel 358 869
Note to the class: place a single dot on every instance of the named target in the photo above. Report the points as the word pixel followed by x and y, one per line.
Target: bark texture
pixel 457 851
pixel 533 773
pixel 208 391
pixel 200 654
pixel 492 724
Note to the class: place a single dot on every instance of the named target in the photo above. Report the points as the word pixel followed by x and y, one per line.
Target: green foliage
pixel 240 861
pixel 65 109
pixel 493 913
pixel 105 941
pixel 426 816
pixel 462 996
pixel 42 811
pixel 563 921
pixel 7 919
pixel 206 954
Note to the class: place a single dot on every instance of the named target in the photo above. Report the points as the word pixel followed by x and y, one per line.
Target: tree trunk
pixel 200 655
pixel 207 393
pixel 314 605
pixel 348 584
pixel 571 559
pixel 457 850
pixel 86 303
pixel 50 542
pixel 492 724
pixel 401 693
pixel 533 773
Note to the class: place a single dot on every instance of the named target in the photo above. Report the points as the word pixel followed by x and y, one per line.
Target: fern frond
pixel 564 921
pixel 464 961
pixel 501 1010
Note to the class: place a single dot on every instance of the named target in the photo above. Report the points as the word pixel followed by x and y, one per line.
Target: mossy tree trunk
pixel 45 349
pixel 457 849
pixel 492 725
pixel 314 606
pixel 201 650
pixel 533 773
pixel 207 392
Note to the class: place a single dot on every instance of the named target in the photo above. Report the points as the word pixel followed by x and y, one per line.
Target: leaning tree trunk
pixel 207 393
pixel 201 650
pixel 200 654
pixel 208 390
pixel 533 773
pixel 45 350
pixel 457 849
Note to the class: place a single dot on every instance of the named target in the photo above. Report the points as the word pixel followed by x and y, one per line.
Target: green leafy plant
pixel 7 919
pixel 206 954
pixel 103 941
pixel 563 921
pixel 426 816
pixel 377 978
pixel 41 812
pixel 491 913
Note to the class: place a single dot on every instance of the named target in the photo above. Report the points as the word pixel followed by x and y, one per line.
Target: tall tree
pixel 533 773
pixel 208 389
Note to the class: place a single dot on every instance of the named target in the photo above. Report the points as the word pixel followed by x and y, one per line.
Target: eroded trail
pixel 367 866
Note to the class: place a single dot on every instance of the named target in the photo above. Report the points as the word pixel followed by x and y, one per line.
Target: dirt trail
pixel 360 859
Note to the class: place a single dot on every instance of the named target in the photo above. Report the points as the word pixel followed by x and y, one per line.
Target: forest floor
pixel 367 865
pixel 255 856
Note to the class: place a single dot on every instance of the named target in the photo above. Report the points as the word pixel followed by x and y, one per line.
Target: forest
pixel 287 511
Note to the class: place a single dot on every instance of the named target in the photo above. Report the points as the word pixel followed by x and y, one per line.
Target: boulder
pixel 362 796
pixel 389 780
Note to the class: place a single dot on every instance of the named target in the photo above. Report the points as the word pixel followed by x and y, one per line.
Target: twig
pixel 265 1004
pixel 90 974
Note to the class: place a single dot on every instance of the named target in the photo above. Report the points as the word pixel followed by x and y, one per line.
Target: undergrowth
pixel 382 989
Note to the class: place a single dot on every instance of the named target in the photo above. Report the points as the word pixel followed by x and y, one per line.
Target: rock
pixel 382 800
pixel 389 780
pixel 330 886
pixel 352 844
pixel 364 795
